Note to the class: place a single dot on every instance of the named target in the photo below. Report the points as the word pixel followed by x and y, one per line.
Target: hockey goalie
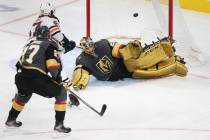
pixel 114 61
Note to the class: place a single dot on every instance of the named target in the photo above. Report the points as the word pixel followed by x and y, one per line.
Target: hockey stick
pixel 103 109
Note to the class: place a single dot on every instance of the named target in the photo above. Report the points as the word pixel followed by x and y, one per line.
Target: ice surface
pixel 171 108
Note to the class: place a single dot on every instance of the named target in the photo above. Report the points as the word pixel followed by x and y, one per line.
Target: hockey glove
pixel 67 84
pixel 80 78
pixel 68 45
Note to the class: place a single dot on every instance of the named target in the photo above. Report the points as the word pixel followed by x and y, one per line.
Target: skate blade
pixel 11 129
pixel 57 134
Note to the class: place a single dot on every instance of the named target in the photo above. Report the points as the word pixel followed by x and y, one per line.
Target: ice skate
pixel 12 123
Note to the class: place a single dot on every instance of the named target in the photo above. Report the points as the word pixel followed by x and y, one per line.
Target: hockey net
pixel 115 21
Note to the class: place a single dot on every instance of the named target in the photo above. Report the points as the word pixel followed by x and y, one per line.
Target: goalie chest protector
pixel 101 63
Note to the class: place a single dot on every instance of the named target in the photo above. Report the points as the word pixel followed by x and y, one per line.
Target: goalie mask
pixel 47 9
pixel 87 45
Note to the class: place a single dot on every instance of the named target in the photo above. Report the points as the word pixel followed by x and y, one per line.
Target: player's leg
pixel 46 87
pixel 21 98
pixel 60 110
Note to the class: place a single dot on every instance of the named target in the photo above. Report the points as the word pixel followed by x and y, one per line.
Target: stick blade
pixel 103 109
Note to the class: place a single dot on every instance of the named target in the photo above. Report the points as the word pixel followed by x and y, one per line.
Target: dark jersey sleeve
pixel 52 62
pixel 80 61
pixel 50 52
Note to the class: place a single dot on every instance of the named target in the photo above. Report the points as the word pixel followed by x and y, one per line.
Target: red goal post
pixel 170 17
pixel 88 18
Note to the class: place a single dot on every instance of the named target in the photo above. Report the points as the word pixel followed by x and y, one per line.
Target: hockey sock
pixel 59 116
pixel 13 114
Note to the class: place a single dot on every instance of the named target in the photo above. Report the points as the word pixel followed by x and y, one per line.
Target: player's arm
pixel 53 65
pixel 59 37
pixel 67 44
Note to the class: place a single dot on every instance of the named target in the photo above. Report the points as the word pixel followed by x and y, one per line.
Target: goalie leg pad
pixel 151 56
pixel 162 69
pixel 80 78
pixel 148 58
pixel 168 48
pixel 166 68
pixel 181 69
pixel 131 64
pixel 132 50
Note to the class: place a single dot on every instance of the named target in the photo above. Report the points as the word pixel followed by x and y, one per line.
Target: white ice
pixel 172 108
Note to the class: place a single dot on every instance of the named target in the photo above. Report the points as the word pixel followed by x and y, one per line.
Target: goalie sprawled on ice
pixel 113 61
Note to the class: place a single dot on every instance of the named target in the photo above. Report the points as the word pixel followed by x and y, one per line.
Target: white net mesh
pixel 114 19
pixel 185 44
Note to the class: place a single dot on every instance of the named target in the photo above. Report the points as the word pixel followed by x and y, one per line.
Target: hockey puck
pixel 135 15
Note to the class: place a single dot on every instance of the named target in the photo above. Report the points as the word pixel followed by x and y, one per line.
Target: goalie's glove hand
pixel 80 78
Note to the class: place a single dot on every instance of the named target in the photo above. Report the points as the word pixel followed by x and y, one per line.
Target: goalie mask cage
pixel 115 20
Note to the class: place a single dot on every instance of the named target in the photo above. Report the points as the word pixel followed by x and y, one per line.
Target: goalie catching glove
pixel 80 78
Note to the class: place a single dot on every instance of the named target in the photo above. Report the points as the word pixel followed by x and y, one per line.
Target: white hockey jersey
pixel 53 25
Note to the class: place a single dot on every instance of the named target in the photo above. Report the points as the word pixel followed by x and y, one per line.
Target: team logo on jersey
pixel 105 65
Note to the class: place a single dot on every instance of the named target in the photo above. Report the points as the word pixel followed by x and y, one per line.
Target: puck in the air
pixel 135 15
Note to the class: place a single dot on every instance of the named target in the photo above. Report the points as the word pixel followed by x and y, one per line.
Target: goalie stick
pixel 103 108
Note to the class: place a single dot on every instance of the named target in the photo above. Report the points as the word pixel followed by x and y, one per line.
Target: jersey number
pixel 28 53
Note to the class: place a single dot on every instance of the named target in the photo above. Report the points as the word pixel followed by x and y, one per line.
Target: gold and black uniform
pixel 113 62
pixel 38 59
pixel 102 64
